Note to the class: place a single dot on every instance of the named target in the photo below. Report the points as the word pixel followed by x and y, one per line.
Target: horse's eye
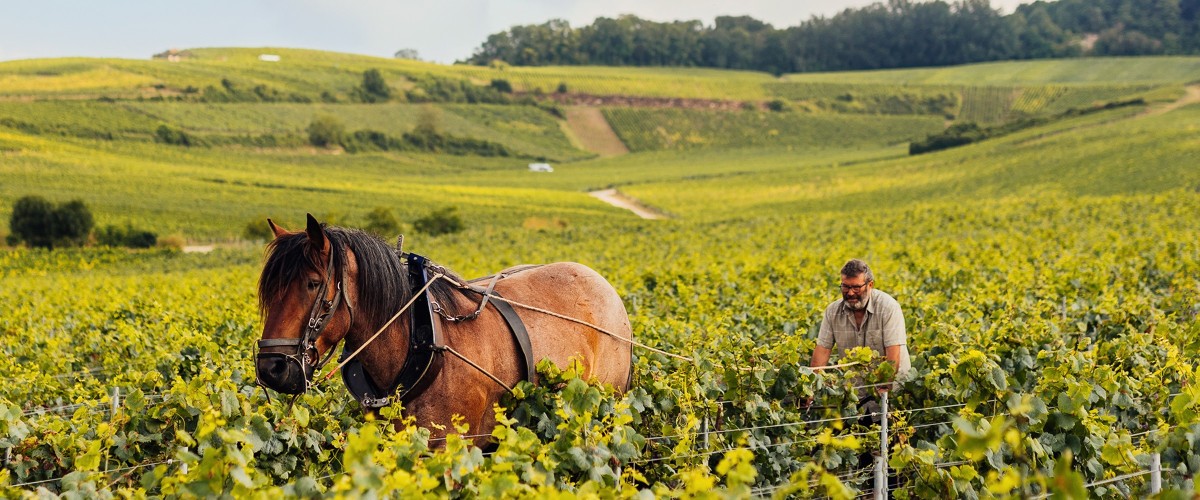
pixel 313 285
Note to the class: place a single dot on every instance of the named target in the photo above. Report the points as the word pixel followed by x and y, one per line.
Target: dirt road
pixel 616 199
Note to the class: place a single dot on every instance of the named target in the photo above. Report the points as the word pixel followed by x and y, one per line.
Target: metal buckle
pixel 371 402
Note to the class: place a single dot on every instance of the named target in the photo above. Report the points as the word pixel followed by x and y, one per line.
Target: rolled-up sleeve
pixel 825 336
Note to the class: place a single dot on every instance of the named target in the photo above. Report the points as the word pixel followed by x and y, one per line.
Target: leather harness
pixel 426 344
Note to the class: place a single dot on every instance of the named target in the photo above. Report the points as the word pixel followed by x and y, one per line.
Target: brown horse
pixel 326 285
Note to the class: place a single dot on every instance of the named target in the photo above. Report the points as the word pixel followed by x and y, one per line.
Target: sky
pixel 440 30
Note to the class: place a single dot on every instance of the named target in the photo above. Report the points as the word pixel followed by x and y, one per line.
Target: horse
pixel 328 284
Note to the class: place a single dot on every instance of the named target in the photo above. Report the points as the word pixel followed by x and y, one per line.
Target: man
pixel 863 317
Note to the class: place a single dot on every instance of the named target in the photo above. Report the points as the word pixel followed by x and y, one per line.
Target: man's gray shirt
pixel 882 326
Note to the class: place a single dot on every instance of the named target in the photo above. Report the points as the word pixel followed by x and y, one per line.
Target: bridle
pixel 302 351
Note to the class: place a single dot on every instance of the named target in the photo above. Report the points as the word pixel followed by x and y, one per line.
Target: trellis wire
pixel 107 471
pixel 758 427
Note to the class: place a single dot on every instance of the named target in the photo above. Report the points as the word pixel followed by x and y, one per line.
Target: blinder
pixel 289 364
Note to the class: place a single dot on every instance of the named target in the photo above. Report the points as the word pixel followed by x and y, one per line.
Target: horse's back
pixel 593 325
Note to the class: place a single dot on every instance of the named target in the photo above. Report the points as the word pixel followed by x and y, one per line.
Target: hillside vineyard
pixel 1047 269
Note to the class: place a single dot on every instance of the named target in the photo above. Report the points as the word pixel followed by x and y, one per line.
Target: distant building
pixel 173 55
pixel 268 57
pixel 540 167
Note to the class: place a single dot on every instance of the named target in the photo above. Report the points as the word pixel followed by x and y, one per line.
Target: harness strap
pixel 517 327
pixel 422 363
pixel 426 342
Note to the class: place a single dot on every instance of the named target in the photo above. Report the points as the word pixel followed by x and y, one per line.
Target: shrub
pixel 778 105
pixel 562 88
pixel 39 223
pixel 172 241
pixel 168 135
pixel 325 131
pixel 957 135
pixel 128 236
pixel 440 221
pixel 382 222
pixel 257 230
pixel 370 140
pixel 502 85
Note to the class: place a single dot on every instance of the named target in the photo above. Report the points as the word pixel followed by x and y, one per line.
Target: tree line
pixel 896 34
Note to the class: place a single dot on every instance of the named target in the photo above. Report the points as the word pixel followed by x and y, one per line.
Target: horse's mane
pixel 383 285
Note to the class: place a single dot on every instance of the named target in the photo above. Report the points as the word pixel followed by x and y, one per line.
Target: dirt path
pixel 1191 97
pixel 616 199
pixel 593 132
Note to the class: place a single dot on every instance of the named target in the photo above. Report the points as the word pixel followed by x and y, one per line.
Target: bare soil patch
pixel 574 99
pixel 1192 96
pixel 593 132
pixel 619 200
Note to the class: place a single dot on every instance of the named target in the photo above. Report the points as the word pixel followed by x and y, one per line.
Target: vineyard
pixel 647 130
pixel 1048 279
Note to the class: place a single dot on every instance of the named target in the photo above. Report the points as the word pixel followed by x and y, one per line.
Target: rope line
pixel 477 367
pixel 591 325
pixel 388 323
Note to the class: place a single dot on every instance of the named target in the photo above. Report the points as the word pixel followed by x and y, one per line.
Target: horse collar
pixel 421 363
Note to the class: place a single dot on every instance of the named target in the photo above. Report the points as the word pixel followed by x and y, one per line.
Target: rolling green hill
pixel 103 150
pixel 1107 70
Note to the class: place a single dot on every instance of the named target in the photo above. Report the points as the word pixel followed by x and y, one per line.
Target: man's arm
pixel 895 338
pixel 820 356
pixel 824 347
pixel 892 353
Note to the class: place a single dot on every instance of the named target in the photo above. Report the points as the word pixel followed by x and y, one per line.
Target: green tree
pixel 325 131
pixel 71 223
pixel 39 223
pixel 374 88
pixel 410 54
pixel 32 220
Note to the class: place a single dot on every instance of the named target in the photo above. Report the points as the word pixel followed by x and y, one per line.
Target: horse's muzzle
pixel 284 373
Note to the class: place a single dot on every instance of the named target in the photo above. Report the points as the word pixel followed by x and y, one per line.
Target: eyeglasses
pixel 854 288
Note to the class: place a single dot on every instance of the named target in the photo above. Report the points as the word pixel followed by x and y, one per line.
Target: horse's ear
pixel 279 231
pixel 316 235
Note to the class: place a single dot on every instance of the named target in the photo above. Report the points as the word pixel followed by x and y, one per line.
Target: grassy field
pixel 310 73
pixel 1102 155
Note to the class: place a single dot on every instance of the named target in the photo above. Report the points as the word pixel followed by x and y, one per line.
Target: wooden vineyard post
pixel 1155 473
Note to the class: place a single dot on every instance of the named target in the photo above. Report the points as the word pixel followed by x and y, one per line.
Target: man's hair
pixel 855 267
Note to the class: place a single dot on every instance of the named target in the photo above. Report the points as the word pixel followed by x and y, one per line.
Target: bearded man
pixel 863 317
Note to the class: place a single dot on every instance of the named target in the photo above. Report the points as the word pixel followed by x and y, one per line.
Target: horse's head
pixel 305 306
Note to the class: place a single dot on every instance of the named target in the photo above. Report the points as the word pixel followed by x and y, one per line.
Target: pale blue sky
pixel 440 30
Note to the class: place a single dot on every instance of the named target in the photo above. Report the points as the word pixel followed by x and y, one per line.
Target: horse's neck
pixel 385 355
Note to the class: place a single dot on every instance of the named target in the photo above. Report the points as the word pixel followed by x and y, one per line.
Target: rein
pixel 350 357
